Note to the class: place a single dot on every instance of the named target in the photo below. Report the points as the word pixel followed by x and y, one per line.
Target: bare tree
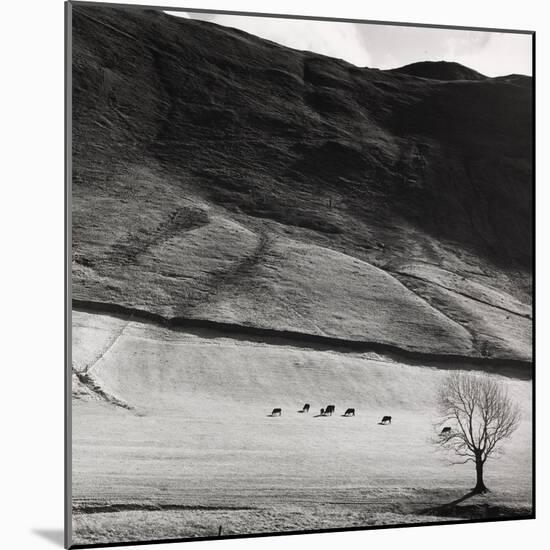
pixel 481 417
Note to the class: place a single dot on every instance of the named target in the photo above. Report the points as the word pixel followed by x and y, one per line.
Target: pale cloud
pixel 489 53
pixel 502 54
pixel 389 46
pixel 340 40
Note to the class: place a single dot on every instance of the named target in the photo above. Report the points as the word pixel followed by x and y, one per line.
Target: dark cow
pixel 305 408
pixel 276 412
pixel 386 420
pixel 330 409
pixel 446 430
pixel 349 412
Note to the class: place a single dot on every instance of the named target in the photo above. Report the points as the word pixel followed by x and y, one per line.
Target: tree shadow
pixel 480 508
pixel 449 508
pixel 52 535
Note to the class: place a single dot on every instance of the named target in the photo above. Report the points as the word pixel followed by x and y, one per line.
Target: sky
pixel 389 46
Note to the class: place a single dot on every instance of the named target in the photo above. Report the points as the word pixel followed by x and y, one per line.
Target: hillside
pixel 221 177
pixel 440 70
pixel 180 439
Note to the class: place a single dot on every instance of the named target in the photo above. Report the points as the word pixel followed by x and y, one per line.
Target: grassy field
pixel 196 448
pixel 375 507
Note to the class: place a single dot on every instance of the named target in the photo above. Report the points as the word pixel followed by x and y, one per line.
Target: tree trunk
pixel 480 486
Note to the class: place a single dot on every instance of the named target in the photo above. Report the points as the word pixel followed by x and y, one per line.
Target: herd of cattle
pixel 330 409
pixel 327 411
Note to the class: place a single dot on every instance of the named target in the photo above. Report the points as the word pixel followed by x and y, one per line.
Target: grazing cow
pixel 386 420
pixel 276 412
pixel 350 412
pixel 305 408
pixel 446 430
pixel 330 409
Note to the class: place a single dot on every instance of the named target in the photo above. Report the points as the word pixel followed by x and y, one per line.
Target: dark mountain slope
pixel 220 176
pixel 440 70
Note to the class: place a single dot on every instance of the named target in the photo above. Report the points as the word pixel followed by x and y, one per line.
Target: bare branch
pixel 482 416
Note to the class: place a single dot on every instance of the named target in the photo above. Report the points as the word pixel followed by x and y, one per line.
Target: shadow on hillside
pixel 479 507
pixel 447 508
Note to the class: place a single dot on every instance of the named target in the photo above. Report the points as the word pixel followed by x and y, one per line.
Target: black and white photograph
pixel 300 274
